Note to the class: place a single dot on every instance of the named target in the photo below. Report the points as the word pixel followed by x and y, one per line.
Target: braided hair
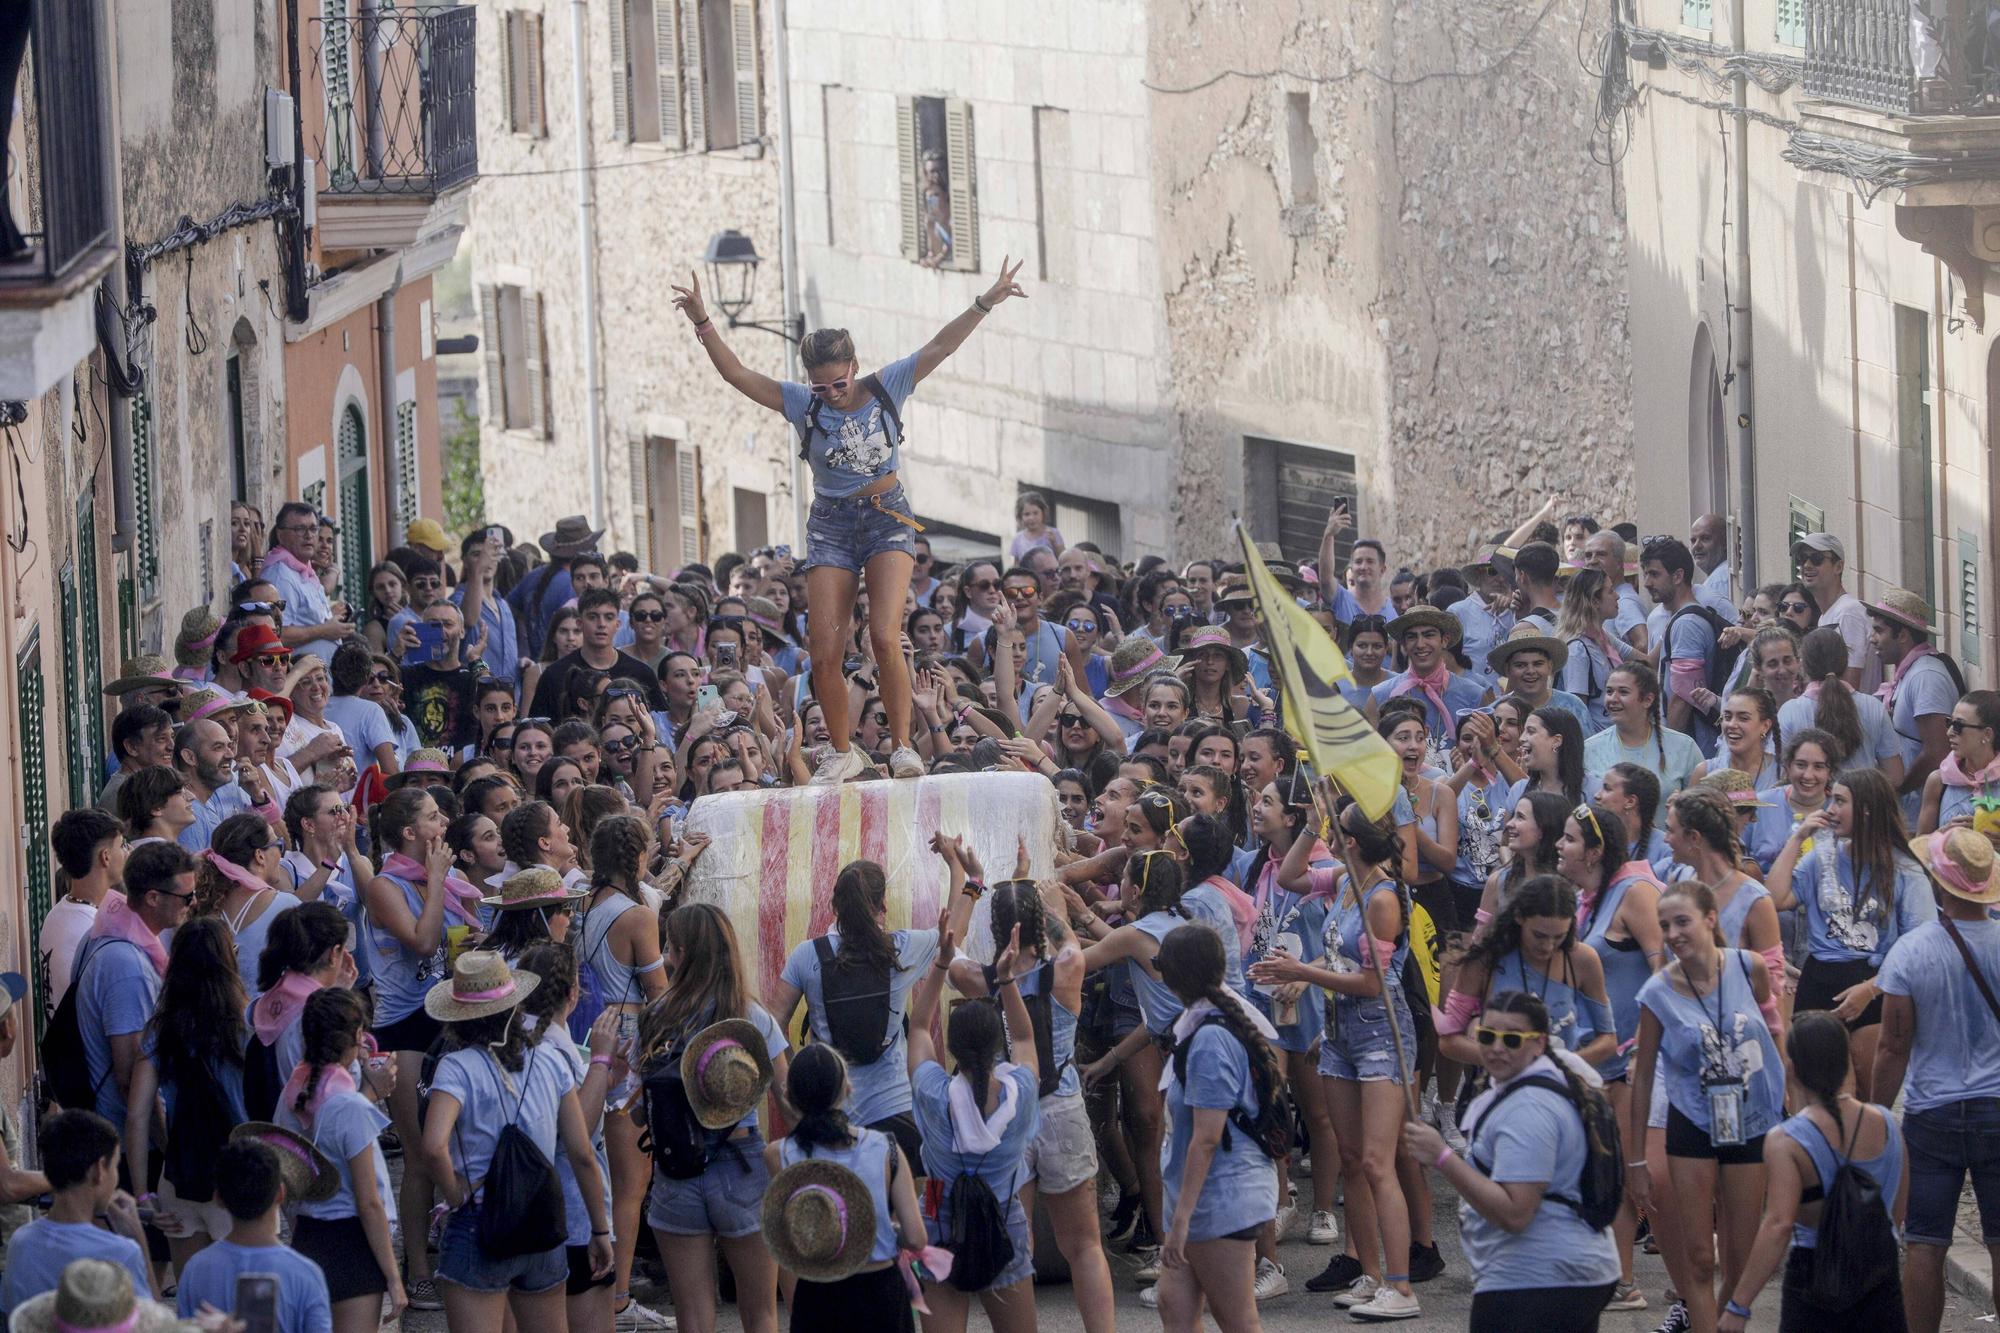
pixel 331 1022
pixel 1604 833
pixel 814 1083
pixel 1539 895
pixel 1708 814
pixel 1192 963
pixel 618 854
pixel 1208 845
pixel 1158 877
pixel 1017 902
pixel 1646 684
pixel 522 831
pixel 556 964
pixel 1642 784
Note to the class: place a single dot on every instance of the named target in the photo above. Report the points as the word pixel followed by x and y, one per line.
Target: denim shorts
pixel 1944 1143
pixel 1360 1047
pixel 463 1264
pixel 1063 1153
pixel 727 1200
pixel 849 532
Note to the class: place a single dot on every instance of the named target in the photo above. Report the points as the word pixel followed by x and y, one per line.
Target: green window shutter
pixel 409 504
pixel 1791 27
pixel 1971 616
pixel 31 715
pixel 351 452
pixel 1801 517
pixel 90 688
pixel 146 534
pixel 80 791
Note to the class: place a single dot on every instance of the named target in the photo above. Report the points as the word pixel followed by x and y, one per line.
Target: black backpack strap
pixel 823 947
pixel 873 383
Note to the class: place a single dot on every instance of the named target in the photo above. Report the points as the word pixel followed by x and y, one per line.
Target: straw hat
pixel 1906 609
pixel 819 1220
pixel 726 1070
pixel 95 1296
pixel 764 615
pixel 1233 592
pixel 144 672
pixel 481 983
pixel 537 886
pixel 1524 638
pixel 423 763
pixel 310 1175
pixel 572 536
pixel 1420 617
pixel 1214 636
pixel 1962 862
pixel 1738 786
pixel 1287 575
pixel 1136 659
pixel 198 630
pixel 209 702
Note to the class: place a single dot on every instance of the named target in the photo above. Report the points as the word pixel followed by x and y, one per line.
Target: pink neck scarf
pixel 116 920
pixel 277 1007
pixel 1268 880
pixel 1432 684
pixel 1955 776
pixel 1886 691
pixel 463 901
pixel 278 555
pixel 333 1080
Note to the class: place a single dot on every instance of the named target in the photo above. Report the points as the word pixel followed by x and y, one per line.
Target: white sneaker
pixel 1449 1131
pixel 1289 1214
pixel 1429 1110
pixel 906 763
pixel 838 766
pixel 1270 1280
pixel 1387 1304
pixel 1359 1292
pixel 1324 1229
pixel 1149 1264
pixel 1627 1296
pixel 637 1318
pixel 1150 1298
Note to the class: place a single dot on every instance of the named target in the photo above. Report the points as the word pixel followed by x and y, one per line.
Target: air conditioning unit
pixel 280 129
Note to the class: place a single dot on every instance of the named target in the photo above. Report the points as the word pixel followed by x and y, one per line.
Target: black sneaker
pixel 1142 1237
pixel 1677 1320
pixel 1425 1262
pixel 1338 1275
pixel 1124 1218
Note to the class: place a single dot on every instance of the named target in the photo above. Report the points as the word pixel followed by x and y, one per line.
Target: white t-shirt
pixel 62 932
pixel 1850 617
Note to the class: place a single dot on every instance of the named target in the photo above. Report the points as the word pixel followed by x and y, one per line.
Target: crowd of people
pixel 1673 903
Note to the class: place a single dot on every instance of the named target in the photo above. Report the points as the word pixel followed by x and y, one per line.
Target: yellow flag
pixel 1306 665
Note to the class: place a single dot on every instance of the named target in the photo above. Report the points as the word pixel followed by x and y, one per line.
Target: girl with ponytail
pixel 1205 848
pixel 305 952
pixel 347 1234
pixel 1533 945
pixel 1863 734
pixel 1633 794
pixel 872 1297
pixel 980 1122
pixel 1636 734
pixel 1800 1159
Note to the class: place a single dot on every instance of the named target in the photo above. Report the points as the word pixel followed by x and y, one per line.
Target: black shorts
pixel 1465 899
pixel 1247 1233
pixel 1544 1309
pixel 875 1301
pixel 339 1245
pixel 1437 899
pixel 580 1279
pixel 1687 1139
pixel 1821 981
pixel 903 1129
pixel 415 1031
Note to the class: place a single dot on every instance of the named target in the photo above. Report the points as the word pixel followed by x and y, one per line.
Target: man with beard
pixel 206 758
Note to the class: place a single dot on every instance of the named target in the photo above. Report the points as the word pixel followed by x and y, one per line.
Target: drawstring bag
pixel 1856 1248
pixel 521 1203
pixel 974 1229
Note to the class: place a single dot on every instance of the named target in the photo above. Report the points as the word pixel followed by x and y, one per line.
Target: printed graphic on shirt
pixel 860 443
pixel 1734 1060
pixel 1846 924
pixel 1479 835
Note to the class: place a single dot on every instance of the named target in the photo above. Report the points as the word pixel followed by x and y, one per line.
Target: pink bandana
pixel 1955 776
pixel 333 1080
pixel 278 555
pixel 1433 686
pixel 116 920
pixel 1886 691
pixel 464 899
pixel 277 1007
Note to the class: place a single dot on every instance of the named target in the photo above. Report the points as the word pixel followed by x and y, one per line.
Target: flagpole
pixel 1323 803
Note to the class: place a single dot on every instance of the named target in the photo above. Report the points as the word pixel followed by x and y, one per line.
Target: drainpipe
pixel 1739 315
pixel 372 19
pixel 124 511
pixel 586 232
pixel 788 259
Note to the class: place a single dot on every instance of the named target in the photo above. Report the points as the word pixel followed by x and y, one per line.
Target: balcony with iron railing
pixel 1906 57
pixel 397 128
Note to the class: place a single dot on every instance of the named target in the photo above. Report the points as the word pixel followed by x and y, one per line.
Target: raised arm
pixel 758 388
pixel 949 338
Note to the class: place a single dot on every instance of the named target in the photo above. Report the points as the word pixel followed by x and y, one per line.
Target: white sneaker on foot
pixel 1270 1280
pixel 1627 1296
pixel 1359 1292
pixel 837 767
pixel 1387 1304
pixel 1150 1298
pixel 1324 1229
pixel 906 763
pixel 1449 1131
pixel 1289 1214
pixel 1149 1264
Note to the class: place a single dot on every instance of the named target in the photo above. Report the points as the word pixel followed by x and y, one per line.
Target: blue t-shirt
pixel 226 800
pixel 39 1251
pixel 575 1211
pixel 1242 1186
pixel 115 998
pixel 1878 735
pixel 851 449
pixel 363 723
pixel 1205 903
pixel 1535 1135
pixel 1483 632
pixel 1955 1054
pixel 210 1279
pixel 882 1088
pixel 346 1125
pixel 1838 927
pixel 1003 1168
pixel 488 1102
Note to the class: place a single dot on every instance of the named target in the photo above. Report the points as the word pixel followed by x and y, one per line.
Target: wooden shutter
pixel 667 72
pixel 687 481
pixel 743 50
pixel 489 351
pixel 538 384
pixel 907 197
pixel 621 73
pixel 538 123
pixel 696 123
pixel 638 462
pixel 508 36
pixel 964 185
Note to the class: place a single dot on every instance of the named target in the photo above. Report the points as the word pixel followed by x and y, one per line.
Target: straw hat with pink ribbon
pixel 1962 861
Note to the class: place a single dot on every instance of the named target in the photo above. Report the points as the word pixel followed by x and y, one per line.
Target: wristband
pixel 329 865
pixel 974 890
pixel 1634 1166
pixel 981 306
pixel 703 329
pixel 1443 1156
pixel 1740 1311
pixel 600 1233
pixel 604 1060
pixel 147 1197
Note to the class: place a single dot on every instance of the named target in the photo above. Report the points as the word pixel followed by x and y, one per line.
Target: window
pixel 521 97
pixel 750 511
pixel 1801 517
pixel 1082 519
pixel 232 424
pixel 1917 532
pixel 639 85
pixel 145 506
pixel 670 501
pixel 516 358
pixel 1971 623
pixel 409 495
pixel 355 497
pixel 938 191
pixel 1301 148
pixel 1287 489
pixel 1697 14
pixel 1055 209
pixel 702 63
pixel 30 715
pixel 1791 26
pixel 337 45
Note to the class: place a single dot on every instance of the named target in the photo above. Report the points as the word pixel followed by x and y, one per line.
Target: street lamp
pixel 731 260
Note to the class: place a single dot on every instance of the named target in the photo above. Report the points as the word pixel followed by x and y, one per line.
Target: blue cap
pixel 16 987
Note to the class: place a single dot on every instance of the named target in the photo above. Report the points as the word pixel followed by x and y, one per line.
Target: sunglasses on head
pixel 831 386
pixel 1512 1038
pixel 1584 815
pixel 622 693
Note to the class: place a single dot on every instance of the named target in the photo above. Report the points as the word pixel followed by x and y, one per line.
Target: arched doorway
pixel 351 462
pixel 1708 434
